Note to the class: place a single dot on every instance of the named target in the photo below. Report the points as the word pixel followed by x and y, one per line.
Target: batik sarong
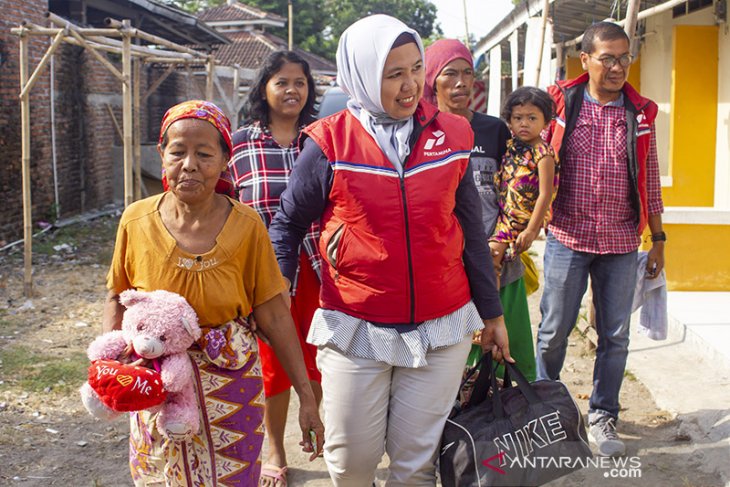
pixel 226 451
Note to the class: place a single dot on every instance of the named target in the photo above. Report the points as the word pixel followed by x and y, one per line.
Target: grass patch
pixel 34 372
pixel 78 236
pixel 69 235
pixel 629 375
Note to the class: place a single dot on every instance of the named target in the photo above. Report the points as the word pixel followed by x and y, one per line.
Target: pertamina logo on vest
pixel 438 139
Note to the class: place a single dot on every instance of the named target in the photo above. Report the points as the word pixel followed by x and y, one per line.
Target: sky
pixel 482 15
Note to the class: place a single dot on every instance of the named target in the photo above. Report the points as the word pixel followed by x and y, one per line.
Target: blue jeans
pixel 613 278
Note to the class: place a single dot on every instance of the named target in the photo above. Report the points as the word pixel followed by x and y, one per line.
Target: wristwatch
pixel 659 237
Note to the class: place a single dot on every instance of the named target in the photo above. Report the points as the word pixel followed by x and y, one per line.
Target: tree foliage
pixel 194 6
pixel 417 14
pixel 318 24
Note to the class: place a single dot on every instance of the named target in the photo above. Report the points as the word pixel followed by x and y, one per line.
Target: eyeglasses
pixel 610 61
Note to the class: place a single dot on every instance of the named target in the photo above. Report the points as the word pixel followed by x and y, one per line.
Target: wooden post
pixel 99 57
pixel 41 65
pixel 189 86
pixel 235 96
pixel 159 81
pixel 632 12
pixel 560 58
pixel 25 162
pixel 467 42
pixel 291 25
pixel 137 131
pixel 541 48
pixel 209 79
pixel 127 112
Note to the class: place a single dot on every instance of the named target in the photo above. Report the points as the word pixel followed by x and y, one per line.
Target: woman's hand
pixel 495 339
pixel 524 240
pixel 312 427
pixel 274 320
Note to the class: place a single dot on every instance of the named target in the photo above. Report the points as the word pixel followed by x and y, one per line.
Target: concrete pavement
pixel 688 373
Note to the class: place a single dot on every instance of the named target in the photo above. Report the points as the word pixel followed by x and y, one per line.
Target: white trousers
pixel 371 407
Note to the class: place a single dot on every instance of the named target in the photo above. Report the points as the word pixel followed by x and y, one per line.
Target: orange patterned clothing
pixel 237 274
pixel 223 285
pixel 518 185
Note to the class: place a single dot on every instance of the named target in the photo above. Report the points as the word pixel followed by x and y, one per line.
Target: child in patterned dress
pixel 527 180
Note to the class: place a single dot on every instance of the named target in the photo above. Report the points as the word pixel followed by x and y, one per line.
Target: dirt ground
pixel 47 438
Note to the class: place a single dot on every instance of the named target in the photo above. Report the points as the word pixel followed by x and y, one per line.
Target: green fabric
pixel 517 318
pixel 474 355
pixel 519 329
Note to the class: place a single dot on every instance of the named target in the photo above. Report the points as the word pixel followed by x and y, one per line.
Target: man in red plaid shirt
pixel 609 192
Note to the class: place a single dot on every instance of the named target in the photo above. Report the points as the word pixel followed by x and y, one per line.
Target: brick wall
pixel 11 219
pixel 85 133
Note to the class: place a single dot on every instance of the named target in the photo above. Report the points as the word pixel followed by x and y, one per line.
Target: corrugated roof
pixel 237 12
pixel 248 49
pixel 570 19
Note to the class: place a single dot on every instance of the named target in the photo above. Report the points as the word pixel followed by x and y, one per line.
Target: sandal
pixel 274 472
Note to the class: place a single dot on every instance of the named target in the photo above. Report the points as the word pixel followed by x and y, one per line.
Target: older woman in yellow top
pixel 196 241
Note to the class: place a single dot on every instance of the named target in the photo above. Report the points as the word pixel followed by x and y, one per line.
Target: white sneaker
pixel 603 433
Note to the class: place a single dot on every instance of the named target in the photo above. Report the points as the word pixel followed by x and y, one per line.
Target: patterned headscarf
pixel 438 55
pixel 202 110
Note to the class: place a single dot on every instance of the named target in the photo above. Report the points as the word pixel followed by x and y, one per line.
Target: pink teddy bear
pixel 160 326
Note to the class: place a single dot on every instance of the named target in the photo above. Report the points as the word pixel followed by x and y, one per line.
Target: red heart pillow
pixel 124 387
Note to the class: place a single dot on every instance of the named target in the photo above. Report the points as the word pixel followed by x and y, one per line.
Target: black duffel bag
pixel 519 436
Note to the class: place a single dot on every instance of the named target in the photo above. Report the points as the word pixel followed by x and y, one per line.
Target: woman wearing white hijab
pixel 406 278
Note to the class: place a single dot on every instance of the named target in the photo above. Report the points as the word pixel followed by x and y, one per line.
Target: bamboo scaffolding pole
pixel 41 65
pixel 540 46
pixel 98 56
pixel 36 30
pixel 25 162
pixel 188 87
pixel 159 81
pixel 632 12
pixel 179 59
pixel 116 122
pixel 290 12
pixel 99 47
pixel 97 40
pixel 153 39
pixel 127 114
pixel 144 52
pixel 210 74
pixel 229 102
pixel 137 50
pixel 559 57
pixel 236 95
pixel 657 9
pixel 137 135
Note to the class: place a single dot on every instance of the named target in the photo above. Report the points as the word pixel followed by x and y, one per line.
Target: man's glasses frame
pixel 609 62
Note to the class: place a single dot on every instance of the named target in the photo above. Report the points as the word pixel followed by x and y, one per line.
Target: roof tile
pixel 237 11
pixel 249 49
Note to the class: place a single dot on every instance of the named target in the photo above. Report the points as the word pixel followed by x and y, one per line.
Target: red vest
pixel 391 245
pixel 640 115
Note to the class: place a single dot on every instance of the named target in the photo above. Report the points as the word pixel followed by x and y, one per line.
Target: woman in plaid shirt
pixel 280 104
